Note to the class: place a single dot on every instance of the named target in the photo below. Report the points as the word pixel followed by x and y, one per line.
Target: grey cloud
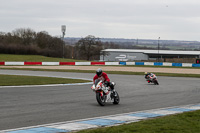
pixel 105 18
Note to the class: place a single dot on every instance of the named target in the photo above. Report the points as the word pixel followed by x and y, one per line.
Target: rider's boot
pixel 106 90
pixel 113 91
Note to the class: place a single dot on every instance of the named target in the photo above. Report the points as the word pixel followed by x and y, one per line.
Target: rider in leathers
pixel 104 77
pixel 149 76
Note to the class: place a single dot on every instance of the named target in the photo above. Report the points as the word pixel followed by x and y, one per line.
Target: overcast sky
pixel 142 19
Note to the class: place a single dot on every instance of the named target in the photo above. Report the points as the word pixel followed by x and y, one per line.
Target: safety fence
pixel 101 63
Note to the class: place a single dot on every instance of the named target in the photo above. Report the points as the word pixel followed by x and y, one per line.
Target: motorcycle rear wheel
pixel 156 82
pixel 116 98
pixel 100 99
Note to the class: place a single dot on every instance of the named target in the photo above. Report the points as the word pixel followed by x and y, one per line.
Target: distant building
pixel 138 54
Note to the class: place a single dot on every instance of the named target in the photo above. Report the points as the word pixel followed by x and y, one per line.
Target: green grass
pixel 33 58
pixel 188 122
pixel 8 80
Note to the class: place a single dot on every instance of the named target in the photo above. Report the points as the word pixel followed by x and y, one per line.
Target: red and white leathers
pixel 152 76
pixel 103 77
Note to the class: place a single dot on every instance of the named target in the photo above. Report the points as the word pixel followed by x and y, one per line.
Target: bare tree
pixel 88 48
pixel 27 35
pixel 42 39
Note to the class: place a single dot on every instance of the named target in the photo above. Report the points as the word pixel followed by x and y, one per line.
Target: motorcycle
pixel 105 94
pixel 150 80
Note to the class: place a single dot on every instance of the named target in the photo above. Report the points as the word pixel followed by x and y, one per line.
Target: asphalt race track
pixel 31 106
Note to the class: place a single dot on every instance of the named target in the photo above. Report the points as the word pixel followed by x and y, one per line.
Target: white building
pixel 138 54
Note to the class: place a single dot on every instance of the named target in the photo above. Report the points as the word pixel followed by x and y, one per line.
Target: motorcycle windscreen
pixel 96 82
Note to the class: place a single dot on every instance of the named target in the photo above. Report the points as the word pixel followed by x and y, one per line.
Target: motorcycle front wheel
pixel 116 98
pixel 100 99
pixel 156 82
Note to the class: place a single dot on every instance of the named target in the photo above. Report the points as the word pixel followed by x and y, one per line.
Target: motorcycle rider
pixel 104 77
pixel 150 76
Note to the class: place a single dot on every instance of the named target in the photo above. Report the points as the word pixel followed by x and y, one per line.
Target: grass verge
pixel 33 58
pixel 8 80
pixel 188 122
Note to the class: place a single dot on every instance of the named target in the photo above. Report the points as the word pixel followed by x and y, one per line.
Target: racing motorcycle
pixel 105 94
pixel 154 80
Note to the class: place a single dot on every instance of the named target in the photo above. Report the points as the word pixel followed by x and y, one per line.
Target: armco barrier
pixel 148 63
pixel 195 65
pixel 97 63
pixel 122 63
pixel 67 63
pixel 177 64
pixel 139 63
pixel 2 63
pixel 101 63
pixel 186 64
pixel 32 63
pixel 112 63
pixel 158 63
pixel 83 63
pixel 130 63
pixel 14 63
pixel 167 64
pixel 50 63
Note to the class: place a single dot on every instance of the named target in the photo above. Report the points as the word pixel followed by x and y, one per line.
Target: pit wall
pixel 100 63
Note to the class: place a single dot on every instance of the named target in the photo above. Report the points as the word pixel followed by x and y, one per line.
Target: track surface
pixel 30 106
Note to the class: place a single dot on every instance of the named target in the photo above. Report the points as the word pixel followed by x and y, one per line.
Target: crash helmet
pixel 145 73
pixel 99 72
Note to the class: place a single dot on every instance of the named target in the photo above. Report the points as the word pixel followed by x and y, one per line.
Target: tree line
pixel 26 41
